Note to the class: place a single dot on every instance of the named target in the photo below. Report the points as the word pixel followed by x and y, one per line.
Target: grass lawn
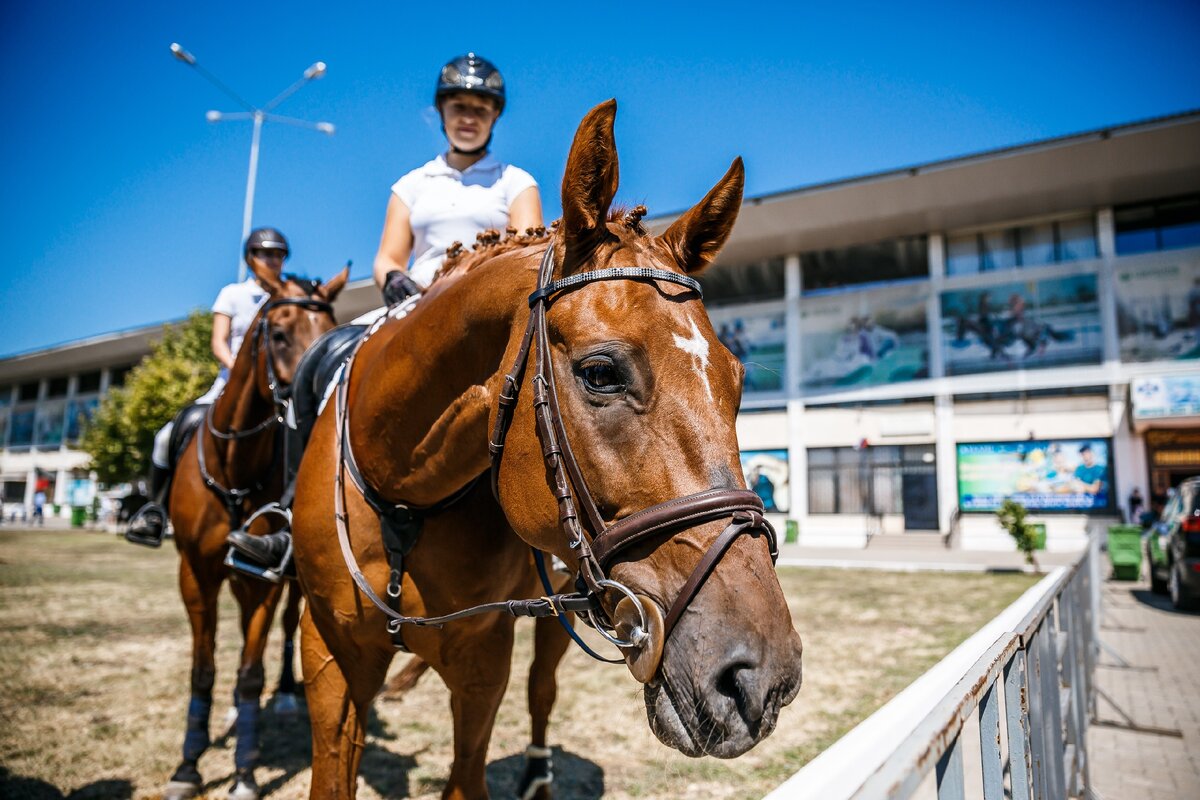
pixel 95 654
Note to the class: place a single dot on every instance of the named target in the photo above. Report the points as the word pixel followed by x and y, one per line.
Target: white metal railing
pixel 1039 653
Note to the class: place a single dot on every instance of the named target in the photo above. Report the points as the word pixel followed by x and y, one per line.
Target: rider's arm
pixel 220 340
pixel 526 210
pixel 395 246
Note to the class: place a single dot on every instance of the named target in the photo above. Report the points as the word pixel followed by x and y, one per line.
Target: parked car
pixel 1173 547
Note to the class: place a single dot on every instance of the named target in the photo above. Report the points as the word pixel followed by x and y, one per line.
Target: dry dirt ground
pixel 94 658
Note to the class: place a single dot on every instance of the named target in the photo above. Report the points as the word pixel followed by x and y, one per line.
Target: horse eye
pixel 601 375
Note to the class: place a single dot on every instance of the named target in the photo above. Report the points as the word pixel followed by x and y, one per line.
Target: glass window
pixel 14 491
pixel 893 260
pixel 738 284
pixel 1158 225
pixel 3 427
pixel 999 250
pixel 117 375
pixel 962 255
pixel 89 382
pixel 1036 244
pixel 49 423
pixel 1077 239
pixel 5 396
pixel 21 427
pixel 57 387
pixel 27 392
pixel 78 414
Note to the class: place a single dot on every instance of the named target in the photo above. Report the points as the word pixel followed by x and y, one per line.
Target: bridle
pixel 280 393
pixel 570 488
pixel 598 547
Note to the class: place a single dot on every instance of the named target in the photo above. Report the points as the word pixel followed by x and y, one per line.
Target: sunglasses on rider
pixel 269 255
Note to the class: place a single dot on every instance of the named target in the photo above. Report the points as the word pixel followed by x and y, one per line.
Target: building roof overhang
pixel 1128 163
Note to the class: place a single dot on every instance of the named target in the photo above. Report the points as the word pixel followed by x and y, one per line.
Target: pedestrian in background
pixel 1134 506
pixel 39 508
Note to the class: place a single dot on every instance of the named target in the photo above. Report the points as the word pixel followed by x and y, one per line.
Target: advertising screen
pixel 1055 475
pixel 1158 311
pixel 756 336
pixel 766 473
pixel 1021 325
pixel 865 339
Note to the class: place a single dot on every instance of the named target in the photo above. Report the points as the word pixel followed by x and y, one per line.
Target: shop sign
pixel 1170 396
pixel 1068 475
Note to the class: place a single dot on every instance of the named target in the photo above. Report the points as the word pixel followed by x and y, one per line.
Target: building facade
pixel 918 344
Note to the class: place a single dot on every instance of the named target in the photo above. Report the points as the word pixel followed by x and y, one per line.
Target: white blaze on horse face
pixel 697 347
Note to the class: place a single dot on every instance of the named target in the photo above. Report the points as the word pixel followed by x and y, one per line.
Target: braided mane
pixel 489 243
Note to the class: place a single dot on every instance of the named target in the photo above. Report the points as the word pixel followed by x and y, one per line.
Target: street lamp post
pixel 258 116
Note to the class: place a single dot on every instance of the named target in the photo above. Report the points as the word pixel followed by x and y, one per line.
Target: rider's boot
pixel 150 521
pixel 269 551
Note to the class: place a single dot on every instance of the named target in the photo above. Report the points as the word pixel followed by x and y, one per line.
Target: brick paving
pixel 1144 630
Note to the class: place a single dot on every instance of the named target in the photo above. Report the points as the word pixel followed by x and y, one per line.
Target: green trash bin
pixel 791 533
pixel 1039 535
pixel 1125 551
pixel 78 516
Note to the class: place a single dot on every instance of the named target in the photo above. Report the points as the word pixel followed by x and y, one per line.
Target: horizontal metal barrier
pixel 1039 655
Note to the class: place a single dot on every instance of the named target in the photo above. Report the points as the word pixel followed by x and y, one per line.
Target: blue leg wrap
pixel 196 740
pixel 245 755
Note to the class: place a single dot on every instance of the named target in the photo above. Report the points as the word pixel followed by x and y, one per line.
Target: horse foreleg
pixel 257 602
pixel 337 712
pixel 477 674
pixel 550 643
pixel 285 694
pixel 200 600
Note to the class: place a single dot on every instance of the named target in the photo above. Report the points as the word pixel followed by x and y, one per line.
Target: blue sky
pixel 123 207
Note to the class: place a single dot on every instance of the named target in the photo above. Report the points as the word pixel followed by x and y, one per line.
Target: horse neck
pixel 242 405
pixel 423 388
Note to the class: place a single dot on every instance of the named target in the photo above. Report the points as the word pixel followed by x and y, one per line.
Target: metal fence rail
pixel 1039 656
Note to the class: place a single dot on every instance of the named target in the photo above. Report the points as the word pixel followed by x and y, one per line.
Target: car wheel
pixel 1157 585
pixel 1178 592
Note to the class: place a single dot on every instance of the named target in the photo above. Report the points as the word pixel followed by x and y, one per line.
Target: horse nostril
pixel 739 682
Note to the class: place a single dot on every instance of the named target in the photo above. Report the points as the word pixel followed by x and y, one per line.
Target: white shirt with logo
pixel 447 205
pixel 240 302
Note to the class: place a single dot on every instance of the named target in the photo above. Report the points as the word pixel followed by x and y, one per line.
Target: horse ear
pixel 268 278
pixel 695 238
pixel 590 181
pixel 330 290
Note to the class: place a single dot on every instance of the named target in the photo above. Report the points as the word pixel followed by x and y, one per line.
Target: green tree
pixel 178 369
pixel 1012 517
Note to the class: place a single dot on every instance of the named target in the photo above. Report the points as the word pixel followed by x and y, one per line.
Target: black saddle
pixel 187 422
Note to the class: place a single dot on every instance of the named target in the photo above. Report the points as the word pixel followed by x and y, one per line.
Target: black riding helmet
pixel 470 73
pixel 265 239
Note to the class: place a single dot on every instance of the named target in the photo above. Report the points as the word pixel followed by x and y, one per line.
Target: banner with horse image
pixel 1022 325
pixel 1158 311
pixel 766 473
pixel 757 337
pixel 1069 475
pixel 864 339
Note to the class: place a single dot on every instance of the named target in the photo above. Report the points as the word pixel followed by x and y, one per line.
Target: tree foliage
pixel 1012 517
pixel 179 368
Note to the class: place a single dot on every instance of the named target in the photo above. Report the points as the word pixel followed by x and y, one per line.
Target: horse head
pixel 648 398
pixel 297 312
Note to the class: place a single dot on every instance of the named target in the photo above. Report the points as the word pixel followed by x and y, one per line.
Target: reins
pixel 234 497
pixel 596 548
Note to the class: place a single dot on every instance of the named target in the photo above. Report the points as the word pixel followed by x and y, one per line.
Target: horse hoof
pixel 243 790
pixel 538 777
pixel 181 790
pixel 286 705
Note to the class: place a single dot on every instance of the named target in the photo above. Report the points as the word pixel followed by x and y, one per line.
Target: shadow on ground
pixel 15 787
pixel 1158 602
pixel 574 777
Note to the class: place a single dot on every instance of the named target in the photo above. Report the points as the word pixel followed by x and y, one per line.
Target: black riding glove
pixel 398 287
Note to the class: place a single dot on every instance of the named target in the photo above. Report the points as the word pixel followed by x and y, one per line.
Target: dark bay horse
pixel 231 467
pixel 625 428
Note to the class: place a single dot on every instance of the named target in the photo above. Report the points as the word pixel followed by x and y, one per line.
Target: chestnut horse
pixel 231 467
pixel 643 420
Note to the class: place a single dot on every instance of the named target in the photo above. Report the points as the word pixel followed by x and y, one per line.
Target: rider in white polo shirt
pixel 233 312
pixel 457 195
pixel 460 193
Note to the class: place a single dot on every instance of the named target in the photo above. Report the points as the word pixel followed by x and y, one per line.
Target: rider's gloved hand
pixel 398 287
